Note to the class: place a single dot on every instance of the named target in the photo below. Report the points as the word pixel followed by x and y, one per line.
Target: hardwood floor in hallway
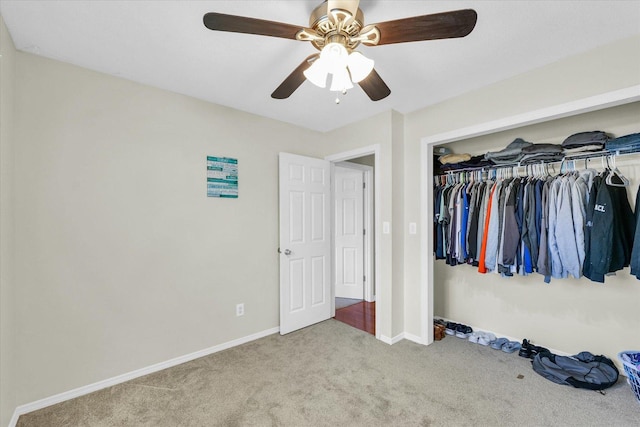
pixel 361 315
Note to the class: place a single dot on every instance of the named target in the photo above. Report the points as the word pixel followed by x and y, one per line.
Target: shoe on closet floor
pixel 498 343
pixel 451 328
pixel 474 337
pixel 511 346
pixel 439 328
pixel 486 338
pixel 525 349
pixel 463 331
pixel 529 350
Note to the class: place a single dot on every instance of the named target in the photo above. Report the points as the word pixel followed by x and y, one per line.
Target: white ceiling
pixel 164 44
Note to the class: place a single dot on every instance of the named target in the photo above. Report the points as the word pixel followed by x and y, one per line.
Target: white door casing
pixel 349 233
pixel 305 241
pixel 376 268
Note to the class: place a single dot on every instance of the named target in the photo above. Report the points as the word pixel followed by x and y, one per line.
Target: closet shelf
pixel 569 157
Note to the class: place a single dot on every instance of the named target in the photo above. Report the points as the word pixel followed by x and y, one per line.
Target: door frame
pixel 376 150
pixel 368 207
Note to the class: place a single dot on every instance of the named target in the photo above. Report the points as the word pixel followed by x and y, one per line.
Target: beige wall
pixel 509 308
pixel 368 160
pixel 121 259
pixel 7 330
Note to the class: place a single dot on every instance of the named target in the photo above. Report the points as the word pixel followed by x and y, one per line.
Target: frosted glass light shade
pixel 344 68
pixel 341 81
pixel 335 57
pixel 317 73
pixel 359 66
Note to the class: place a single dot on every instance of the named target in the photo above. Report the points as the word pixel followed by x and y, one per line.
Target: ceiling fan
pixel 336 28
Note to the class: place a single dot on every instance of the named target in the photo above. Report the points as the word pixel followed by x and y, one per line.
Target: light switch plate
pixel 413 228
pixel 386 227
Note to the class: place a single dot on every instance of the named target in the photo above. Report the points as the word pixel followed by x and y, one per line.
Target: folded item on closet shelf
pixel 441 151
pixel 629 142
pixel 454 158
pixel 542 148
pixel 582 149
pixel 528 159
pixel 596 137
pixel 512 153
pixel 474 162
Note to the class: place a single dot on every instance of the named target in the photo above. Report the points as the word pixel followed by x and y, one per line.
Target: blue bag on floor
pixel 584 370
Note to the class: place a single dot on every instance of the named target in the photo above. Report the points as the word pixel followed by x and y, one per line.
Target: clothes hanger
pixel 615 172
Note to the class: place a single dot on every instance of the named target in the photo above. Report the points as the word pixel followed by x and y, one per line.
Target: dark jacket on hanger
pixel 635 252
pixel 511 234
pixel 623 229
pixel 612 228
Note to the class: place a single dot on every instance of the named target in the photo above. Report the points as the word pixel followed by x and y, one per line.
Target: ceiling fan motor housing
pixel 336 26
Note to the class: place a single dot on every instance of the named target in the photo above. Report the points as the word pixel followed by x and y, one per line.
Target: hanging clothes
pixel 570 225
pixel 635 252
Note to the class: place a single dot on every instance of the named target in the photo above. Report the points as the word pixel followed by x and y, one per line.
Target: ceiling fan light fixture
pixel 317 73
pixel 335 56
pixel 341 81
pixel 336 28
pixel 359 66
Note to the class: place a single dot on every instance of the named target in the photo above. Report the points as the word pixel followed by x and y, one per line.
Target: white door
pixel 305 242
pixel 349 233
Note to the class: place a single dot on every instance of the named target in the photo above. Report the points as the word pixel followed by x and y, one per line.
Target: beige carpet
pixel 333 375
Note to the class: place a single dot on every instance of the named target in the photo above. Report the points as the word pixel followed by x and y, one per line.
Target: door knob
pixel 286 251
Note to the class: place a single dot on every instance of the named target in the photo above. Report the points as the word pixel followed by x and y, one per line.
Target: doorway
pixel 353 242
pixel 307 265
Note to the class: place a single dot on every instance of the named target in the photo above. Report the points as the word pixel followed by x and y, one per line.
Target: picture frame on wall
pixel 222 177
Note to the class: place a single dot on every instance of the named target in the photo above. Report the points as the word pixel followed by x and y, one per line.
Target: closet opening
pixel 580 109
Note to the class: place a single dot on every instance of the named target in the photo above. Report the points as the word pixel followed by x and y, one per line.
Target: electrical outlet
pixel 240 309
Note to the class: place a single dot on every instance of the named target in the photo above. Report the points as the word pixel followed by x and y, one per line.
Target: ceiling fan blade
pixel 375 87
pixel 241 24
pixel 294 80
pixel 444 25
pixel 349 5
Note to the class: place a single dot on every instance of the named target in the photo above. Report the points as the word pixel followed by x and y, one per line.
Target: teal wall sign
pixel 222 177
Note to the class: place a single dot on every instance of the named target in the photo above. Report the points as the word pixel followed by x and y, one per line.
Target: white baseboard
pixel 81 391
pixel 414 338
pixel 393 340
pixel 14 419
pixel 400 337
